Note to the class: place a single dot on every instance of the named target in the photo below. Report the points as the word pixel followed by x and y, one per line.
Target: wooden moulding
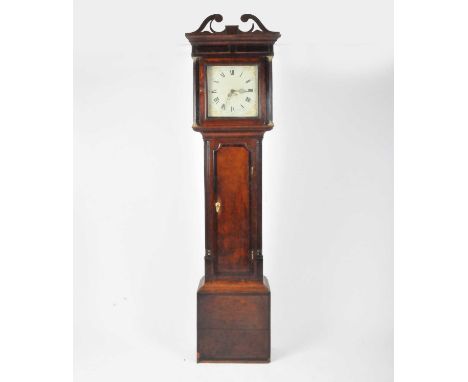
pixel 232 41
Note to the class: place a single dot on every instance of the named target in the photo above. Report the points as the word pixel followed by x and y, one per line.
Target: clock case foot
pixel 233 321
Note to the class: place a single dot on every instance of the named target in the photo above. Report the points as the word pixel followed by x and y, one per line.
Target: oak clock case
pixel 232 74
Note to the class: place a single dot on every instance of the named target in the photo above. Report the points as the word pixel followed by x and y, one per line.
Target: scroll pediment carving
pixel 208 23
pixel 206 27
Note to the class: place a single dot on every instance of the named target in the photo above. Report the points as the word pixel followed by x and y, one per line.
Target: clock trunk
pixel 233 208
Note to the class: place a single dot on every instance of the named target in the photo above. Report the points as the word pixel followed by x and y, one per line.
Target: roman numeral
pixel 222 74
pixel 214 91
pixel 242 106
pixel 223 106
pixel 216 100
pixel 250 90
pixel 232 72
pixel 232 108
pixel 247 99
pixel 248 81
pixel 216 81
pixel 241 74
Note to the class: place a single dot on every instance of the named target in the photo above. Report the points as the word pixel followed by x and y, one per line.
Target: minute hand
pixel 244 91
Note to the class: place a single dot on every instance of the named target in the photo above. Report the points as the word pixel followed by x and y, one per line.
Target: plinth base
pixel 233 321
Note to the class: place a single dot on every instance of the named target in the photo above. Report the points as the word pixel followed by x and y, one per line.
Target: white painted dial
pixel 232 90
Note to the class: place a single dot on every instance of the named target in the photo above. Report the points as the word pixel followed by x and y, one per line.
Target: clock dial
pixel 232 91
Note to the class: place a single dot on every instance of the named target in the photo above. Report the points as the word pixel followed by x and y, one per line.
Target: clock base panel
pixel 233 321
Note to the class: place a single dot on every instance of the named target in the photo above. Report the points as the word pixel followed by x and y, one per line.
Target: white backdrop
pixel 327 192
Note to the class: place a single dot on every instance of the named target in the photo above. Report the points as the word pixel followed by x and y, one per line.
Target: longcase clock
pixel 232 73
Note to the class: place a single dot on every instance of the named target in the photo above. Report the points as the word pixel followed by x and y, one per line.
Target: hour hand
pixel 240 91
